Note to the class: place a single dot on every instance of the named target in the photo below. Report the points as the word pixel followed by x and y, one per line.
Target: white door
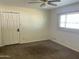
pixel 10 28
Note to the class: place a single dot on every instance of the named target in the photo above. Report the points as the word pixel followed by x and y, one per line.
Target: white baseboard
pixel 29 41
pixel 33 41
pixel 61 43
pixel 1 45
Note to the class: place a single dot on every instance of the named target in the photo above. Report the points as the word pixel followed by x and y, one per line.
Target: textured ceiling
pixel 23 3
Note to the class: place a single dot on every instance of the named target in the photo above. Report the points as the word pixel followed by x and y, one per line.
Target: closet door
pixel 10 28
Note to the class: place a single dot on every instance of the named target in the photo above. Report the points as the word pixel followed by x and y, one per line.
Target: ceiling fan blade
pixel 44 0
pixel 33 2
pixel 54 1
pixel 52 4
pixel 43 4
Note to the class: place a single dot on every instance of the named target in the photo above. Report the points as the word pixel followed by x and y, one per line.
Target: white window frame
pixel 66 29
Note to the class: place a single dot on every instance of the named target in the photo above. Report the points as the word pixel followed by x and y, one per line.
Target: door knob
pixel 18 30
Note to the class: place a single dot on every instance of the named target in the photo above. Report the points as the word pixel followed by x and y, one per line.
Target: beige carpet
pixel 37 50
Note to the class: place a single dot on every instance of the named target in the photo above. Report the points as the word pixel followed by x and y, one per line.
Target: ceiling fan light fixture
pixel 46 3
pixel 44 6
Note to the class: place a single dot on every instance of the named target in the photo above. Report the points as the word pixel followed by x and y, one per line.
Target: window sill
pixel 76 31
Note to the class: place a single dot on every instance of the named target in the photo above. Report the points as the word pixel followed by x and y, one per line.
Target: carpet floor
pixel 37 50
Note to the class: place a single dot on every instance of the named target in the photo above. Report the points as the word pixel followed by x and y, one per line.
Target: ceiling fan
pixel 45 2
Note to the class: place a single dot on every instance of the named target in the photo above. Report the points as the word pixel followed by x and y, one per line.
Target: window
pixel 69 20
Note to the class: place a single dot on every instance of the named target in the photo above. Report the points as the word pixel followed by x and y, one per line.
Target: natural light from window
pixel 69 20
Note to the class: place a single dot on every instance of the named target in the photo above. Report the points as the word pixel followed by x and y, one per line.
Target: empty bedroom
pixel 39 29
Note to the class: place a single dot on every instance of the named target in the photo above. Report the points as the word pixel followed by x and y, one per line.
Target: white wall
pixel 33 26
pixel 0 33
pixel 33 23
pixel 68 39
